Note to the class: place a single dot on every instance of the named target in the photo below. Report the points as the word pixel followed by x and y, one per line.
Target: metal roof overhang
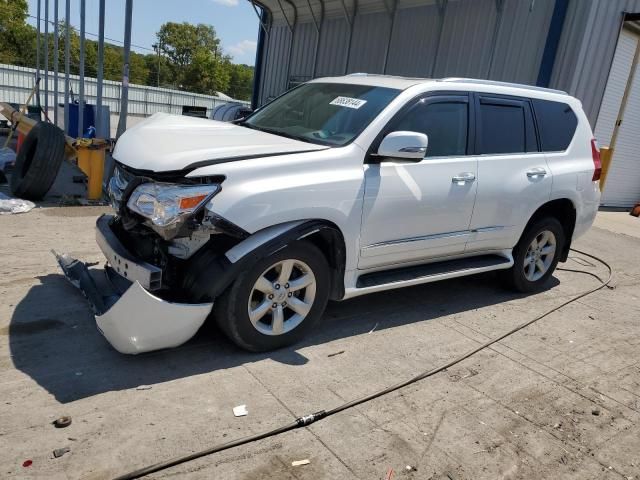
pixel 292 12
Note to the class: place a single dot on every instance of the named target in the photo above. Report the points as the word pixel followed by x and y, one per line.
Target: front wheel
pixel 277 300
pixel 536 255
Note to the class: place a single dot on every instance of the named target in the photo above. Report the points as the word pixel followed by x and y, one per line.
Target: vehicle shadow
pixel 54 340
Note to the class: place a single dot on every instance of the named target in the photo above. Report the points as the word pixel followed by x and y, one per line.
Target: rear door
pixel 513 176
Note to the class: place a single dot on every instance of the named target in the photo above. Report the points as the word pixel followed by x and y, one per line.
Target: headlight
pixel 166 204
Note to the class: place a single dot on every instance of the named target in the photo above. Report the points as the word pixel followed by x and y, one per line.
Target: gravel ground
pixel 560 399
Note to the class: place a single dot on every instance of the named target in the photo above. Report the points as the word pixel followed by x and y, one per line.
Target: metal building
pixel 564 44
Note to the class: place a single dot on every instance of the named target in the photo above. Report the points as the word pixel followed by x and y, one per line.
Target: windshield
pixel 324 113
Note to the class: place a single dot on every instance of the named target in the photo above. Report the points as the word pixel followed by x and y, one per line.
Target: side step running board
pixel 431 272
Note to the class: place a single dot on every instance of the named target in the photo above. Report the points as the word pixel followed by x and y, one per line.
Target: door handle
pixel 463 178
pixel 537 172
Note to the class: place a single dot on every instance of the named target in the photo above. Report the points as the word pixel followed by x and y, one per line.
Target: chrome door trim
pixel 435 236
pixel 418 239
pixel 488 229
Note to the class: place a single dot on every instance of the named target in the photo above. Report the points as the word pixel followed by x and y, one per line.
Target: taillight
pixel 597 163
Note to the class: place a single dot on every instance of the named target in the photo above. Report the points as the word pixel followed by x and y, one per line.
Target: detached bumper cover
pixel 141 322
pixel 131 318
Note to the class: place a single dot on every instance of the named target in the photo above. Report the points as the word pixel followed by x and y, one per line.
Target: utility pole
pixel 55 62
pixel 98 119
pixel 124 97
pixel 46 58
pixel 81 87
pixel 67 84
pixel 38 57
pixel 156 46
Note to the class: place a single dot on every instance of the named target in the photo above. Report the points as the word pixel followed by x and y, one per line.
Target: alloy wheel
pixel 539 256
pixel 282 297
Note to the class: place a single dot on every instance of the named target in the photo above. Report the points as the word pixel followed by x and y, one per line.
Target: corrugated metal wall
pixel 370 36
pixel 463 38
pixel 275 63
pixel 586 50
pixel 16 83
pixel 415 58
pixel 332 52
pixel 495 39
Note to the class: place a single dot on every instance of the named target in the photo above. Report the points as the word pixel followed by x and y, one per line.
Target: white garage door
pixel 623 180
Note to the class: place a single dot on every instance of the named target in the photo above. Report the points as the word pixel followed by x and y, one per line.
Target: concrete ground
pixel 559 400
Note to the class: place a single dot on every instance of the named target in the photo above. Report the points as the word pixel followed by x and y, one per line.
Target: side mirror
pixel 404 145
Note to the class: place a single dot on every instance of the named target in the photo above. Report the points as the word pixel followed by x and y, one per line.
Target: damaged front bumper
pixel 130 317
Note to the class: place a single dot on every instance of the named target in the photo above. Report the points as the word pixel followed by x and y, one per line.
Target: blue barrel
pixel 89 119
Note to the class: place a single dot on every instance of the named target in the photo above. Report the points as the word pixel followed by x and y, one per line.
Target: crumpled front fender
pixel 140 322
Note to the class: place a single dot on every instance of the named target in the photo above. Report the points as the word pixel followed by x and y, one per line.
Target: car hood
pixel 166 142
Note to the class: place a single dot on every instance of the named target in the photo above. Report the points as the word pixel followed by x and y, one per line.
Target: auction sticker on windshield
pixel 348 102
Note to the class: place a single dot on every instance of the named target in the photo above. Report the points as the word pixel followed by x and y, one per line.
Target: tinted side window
pixel 502 127
pixel 556 123
pixel 445 123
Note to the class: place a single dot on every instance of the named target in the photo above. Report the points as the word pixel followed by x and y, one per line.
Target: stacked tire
pixel 38 162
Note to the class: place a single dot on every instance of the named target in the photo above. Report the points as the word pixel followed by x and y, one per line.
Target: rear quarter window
pixel 556 124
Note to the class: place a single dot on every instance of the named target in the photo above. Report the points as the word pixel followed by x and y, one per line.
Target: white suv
pixel 340 187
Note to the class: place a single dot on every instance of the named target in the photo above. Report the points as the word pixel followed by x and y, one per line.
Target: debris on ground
pixel 336 353
pixel 410 468
pixel 10 205
pixel 27 463
pixel 297 463
pixel 58 452
pixel 595 411
pixel 240 411
pixel 62 422
pixel 389 475
pixel 143 387
pixel 374 327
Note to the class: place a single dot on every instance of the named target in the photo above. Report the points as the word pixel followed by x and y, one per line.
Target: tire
pixel 38 162
pixel 521 277
pixel 231 310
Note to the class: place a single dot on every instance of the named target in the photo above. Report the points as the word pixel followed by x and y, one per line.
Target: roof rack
pixel 501 84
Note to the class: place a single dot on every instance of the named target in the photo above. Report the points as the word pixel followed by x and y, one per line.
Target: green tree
pixel 181 41
pixel 240 82
pixel 17 39
pixel 190 55
pixel 112 65
pixel 193 55
pixel 74 49
pixel 138 70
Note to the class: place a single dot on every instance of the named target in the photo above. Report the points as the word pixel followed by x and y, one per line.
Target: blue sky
pixel 235 21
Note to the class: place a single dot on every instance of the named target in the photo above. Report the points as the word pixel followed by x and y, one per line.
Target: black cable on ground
pixel 309 419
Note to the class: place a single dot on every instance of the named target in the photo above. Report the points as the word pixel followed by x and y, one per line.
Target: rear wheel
pixel 536 255
pixel 276 301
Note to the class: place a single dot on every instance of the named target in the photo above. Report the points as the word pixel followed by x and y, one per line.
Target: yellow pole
pixel 605 159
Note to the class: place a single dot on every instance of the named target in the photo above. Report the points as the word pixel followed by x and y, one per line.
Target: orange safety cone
pixel 20 140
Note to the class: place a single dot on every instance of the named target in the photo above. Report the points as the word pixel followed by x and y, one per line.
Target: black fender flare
pixel 210 273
